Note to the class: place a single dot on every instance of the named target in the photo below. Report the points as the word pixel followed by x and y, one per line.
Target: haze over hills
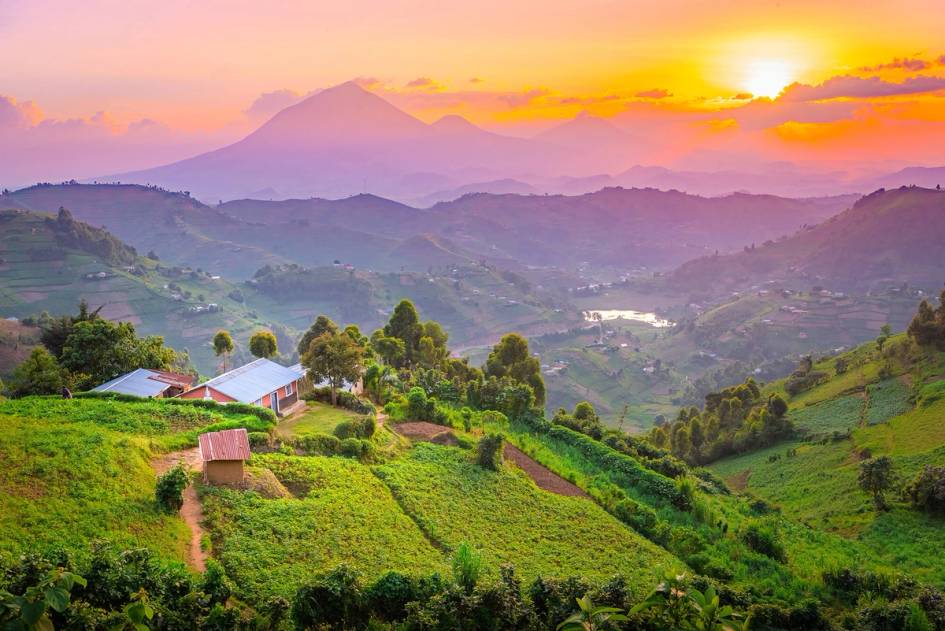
pixel 889 237
pixel 346 140
pixel 614 228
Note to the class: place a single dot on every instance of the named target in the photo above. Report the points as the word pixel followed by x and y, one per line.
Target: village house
pixel 261 382
pixel 223 454
pixel 145 382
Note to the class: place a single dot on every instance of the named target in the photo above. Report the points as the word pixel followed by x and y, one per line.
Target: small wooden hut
pixel 223 455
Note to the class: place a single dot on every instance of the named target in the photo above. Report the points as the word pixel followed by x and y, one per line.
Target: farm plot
pixel 512 521
pixel 341 514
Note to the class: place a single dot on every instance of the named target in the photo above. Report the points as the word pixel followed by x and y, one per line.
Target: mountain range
pixel 347 140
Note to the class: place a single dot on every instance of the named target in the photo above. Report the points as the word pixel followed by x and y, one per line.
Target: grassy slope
pixel 818 485
pixel 512 521
pixel 75 471
pixel 319 418
pixel 341 514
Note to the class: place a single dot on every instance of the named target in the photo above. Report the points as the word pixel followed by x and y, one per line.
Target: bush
pixel 259 439
pixel 489 451
pixel 318 445
pixel 764 538
pixel 169 491
pixel 389 595
pixel 363 427
pixel 622 467
pixel 926 491
pixel 357 448
pixel 419 407
pixel 798 383
pixel 335 601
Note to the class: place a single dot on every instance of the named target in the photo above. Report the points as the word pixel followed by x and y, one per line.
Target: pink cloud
pixel 904 63
pixel 422 82
pixel 654 93
pixel 14 114
pixel 848 86
pixel 269 103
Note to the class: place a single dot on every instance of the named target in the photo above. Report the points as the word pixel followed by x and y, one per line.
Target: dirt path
pixel 191 511
pixel 543 477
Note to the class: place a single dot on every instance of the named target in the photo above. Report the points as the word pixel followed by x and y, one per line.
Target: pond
pixel 628 314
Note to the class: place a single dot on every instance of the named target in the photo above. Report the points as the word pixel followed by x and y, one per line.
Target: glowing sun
pixel 767 77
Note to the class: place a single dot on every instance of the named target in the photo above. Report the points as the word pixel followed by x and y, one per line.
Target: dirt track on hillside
pixel 191 511
pixel 543 477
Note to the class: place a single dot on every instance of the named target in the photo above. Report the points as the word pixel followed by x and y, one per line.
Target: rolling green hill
pixel 883 405
pixel 887 237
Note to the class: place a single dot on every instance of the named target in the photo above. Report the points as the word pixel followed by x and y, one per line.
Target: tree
pixel 38 374
pixel 511 358
pixel 884 333
pixel 322 324
pixel 169 490
pixel 335 357
pixel 263 344
pixel 928 326
pixel 876 477
pixel 390 349
pixel 98 350
pixel 489 451
pixel 54 331
pixel 223 345
pixel 404 324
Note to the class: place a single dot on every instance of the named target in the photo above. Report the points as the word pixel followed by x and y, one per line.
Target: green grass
pixel 342 514
pixel 512 521
pixel 318 418
pixel 887 399
pixel 65 484
pixel 168 425
pixel 834 415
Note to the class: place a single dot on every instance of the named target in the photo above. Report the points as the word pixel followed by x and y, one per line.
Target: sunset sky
pixel 181 76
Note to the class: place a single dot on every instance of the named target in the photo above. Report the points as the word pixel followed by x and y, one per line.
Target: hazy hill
pixel 613 227
pixel 888 236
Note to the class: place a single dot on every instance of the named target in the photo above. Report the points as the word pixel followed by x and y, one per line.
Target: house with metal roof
pixel 261 382
pixel 223 454
pixel 145 382
pixel 346 386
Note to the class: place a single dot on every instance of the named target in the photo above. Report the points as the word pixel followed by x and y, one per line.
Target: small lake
pixel 628 314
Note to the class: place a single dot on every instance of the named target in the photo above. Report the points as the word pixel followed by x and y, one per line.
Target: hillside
pixel 888 237
pixel 884 404
pixel 611 229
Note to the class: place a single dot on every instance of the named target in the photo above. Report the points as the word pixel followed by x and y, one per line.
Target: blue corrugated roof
pixel 138 382
pixel 253 381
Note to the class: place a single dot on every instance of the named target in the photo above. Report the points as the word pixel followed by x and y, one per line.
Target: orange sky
pixel 197 67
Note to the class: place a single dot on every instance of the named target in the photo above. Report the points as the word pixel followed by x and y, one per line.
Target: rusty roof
pixel 230 444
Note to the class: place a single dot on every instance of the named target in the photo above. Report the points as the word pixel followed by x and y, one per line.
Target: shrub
pixel 641 518
pixel 343 399
pixel 489 451
pixel 259 439
pixel 363 427
pixel 764 538
pixel 467 566
pixel 798 383
pixel 357 448
pixel 169 491
pixel 389 595
pixel 419 407
pixel 335 601
pixel 926 491
pixel 318 444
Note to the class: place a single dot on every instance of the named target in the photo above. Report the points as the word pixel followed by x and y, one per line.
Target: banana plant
pixel 591 617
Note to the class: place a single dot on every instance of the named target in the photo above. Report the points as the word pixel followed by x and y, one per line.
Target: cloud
pixel 586 100
pixel 18 115
pixel 848 86
pixel 904 63
pixel 654 93
pixel 368 83
pixel 269 103
pixel 476 80
pixel 744 96
pixel 423 83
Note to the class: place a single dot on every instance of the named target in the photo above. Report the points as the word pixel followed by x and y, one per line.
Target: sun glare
pixel 767 77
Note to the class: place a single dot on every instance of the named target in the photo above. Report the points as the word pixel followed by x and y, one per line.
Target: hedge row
pixel 632 473
pixel 343 399
pixel 263 414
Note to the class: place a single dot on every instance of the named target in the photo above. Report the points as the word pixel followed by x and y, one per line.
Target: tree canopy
pixel 334 357
pixel 511 358
pixel 263 344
